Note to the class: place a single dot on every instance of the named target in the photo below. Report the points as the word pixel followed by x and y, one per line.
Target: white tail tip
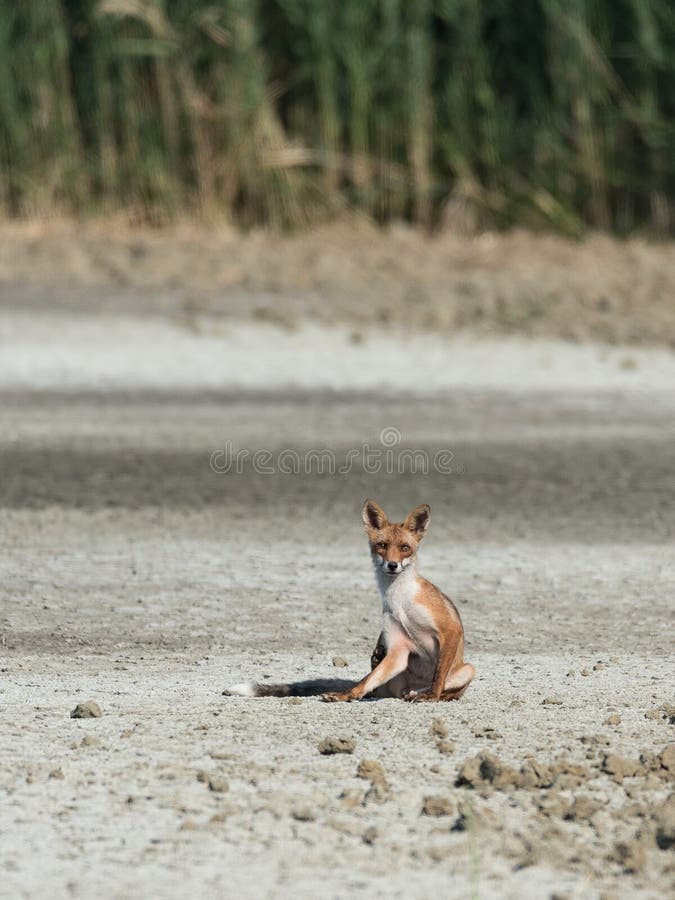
pixel 245 689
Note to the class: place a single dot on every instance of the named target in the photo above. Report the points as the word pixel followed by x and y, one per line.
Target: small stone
pixel 469 817
pixel 445 747
pixel 88 710
pixel 614 719
pixel 551 701
pixel 370 769
pixel 438 854
pixel 486 768
pixel 568 776
pixel 550 804
pixel 534 774
pixel 340 662
pixel 653 714
pixel 490 733
pixel 667 758
pixel 369 836
pixel 594 740
pixel 344 826
pixel 599 666
pixel 582 809
pixel 664 817
pixel 469 773
pixel 218 784
pixel 56 774
pixel 631 856
pixel 619 767
pixel 90 740
pixel 378 792
pixel 351 798
pixel 331 745
pixel 439 728
pixel 438 806
pixel 585 673
pixel 303 813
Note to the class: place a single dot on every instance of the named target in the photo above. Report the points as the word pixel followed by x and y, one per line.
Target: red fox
pixel 420 652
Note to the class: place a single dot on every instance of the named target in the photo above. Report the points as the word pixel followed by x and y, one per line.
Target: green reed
pixel 469 113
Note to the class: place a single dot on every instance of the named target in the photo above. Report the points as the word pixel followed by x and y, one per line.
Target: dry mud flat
pixel 137 574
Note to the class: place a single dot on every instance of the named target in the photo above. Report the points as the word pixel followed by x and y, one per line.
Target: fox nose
pixel 392 566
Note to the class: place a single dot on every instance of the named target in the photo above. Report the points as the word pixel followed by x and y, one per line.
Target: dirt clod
pixel 369 836
pixel 438 806
pixel 486 768
pixel 88 710
pixel 332 745
pixel 551 804
pixel 377 792
pixel 218 784
pixel 445 747
pixel 534 774
pixel 619 767
pixel 439 728
pixel 371 770
pixel 351 798
pixel 667 758
pixel 631 855
pixel 582 808
pixel 664 818
pixel 304 813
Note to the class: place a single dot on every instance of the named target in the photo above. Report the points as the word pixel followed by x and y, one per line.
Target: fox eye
pixel 405 548
pixel 381 545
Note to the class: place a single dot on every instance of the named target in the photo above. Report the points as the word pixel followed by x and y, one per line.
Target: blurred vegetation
pixel 558 113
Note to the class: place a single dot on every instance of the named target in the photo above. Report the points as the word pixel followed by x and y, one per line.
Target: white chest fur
pixel 399 606
pixel 398 593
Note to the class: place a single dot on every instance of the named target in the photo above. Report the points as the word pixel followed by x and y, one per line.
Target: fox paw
pixel 335 697
pixel 419 697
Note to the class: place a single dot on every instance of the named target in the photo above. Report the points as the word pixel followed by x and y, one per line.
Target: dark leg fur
pixel 378 654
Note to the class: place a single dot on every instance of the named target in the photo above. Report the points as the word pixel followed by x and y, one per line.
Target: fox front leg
pixel 392 665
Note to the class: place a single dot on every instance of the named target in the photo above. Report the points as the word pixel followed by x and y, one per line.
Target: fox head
pixel 394 546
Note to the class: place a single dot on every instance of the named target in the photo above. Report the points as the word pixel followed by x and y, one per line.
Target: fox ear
pixel 374 516
pixel 418 520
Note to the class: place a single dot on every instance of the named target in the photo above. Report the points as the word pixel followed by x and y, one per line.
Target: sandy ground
pixel 146 568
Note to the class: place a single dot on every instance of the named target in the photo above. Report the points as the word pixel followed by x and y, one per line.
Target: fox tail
pixel 312 688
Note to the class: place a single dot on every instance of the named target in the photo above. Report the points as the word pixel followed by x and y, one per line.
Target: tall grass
pixel 546 112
